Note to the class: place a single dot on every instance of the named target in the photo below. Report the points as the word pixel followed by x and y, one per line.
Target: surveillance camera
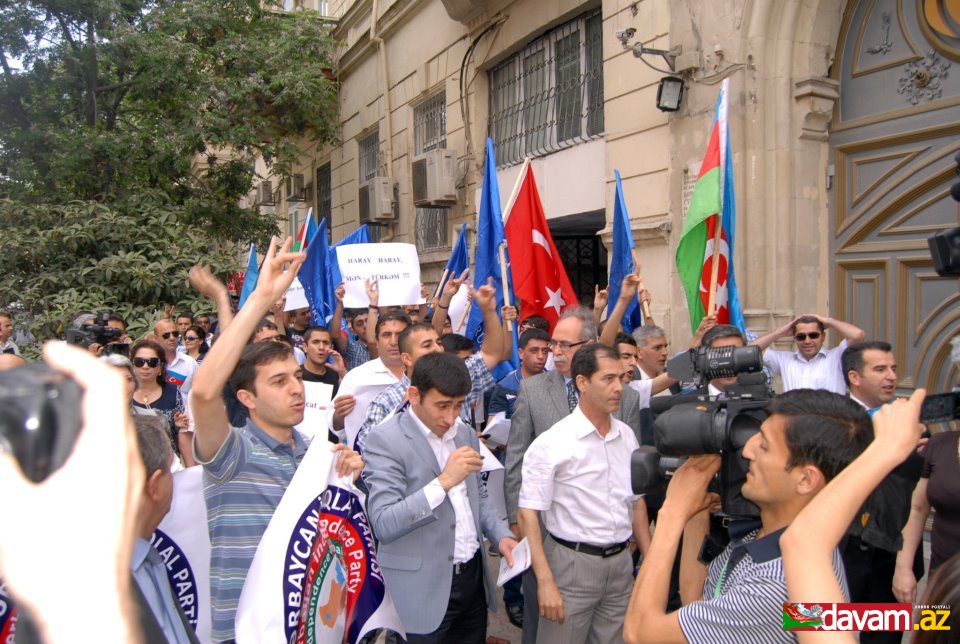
pixel 625 35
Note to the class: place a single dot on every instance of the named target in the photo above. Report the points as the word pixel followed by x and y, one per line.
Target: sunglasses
pixel 800 337
pixel 146 362
pixel 190 338
pixel 166 336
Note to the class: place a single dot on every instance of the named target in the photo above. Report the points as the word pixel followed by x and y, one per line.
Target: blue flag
pixel 250 277
pixel 313 277
pixel 621 261
pixel 360 236
pixel 459 259
pixel 489 237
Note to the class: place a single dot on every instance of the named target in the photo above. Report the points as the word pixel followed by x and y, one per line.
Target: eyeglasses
pixel 166 336
pixel 800 337
pixel 190 338
pixel 148 362
pixel 565 346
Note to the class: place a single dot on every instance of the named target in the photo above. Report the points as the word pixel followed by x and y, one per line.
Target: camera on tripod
pixel 701 424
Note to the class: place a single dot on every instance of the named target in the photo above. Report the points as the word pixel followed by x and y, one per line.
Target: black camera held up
pixel 692 424
pixel 98 332
pixel 40 418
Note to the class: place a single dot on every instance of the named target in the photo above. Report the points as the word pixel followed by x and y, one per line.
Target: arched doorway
pixel 895 130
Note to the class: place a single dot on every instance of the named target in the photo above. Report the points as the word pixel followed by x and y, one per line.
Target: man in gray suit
pixel 545 400
pixel 422 472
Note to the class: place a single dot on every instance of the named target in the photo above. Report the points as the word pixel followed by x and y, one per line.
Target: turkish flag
pixel 539 279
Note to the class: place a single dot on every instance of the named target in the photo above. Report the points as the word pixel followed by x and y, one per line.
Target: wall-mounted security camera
pixel 626 35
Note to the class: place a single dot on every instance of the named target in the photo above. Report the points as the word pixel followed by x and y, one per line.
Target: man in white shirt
pixel 425 506
pixel 364 382
pixel 811 366
pixel 6 330
pixel 577 476
pixel 180 366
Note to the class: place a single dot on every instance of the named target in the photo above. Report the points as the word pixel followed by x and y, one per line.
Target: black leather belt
pixel 462 566
pixel 588 549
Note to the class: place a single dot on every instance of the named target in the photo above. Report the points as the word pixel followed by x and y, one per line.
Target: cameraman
pixel 111 321
pixel 809 437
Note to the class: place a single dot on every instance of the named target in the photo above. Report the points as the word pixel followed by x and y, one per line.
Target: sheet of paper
pixel 521 561
pixel 497 430
pixel 395 265
pixel 316 396
pixel 296 297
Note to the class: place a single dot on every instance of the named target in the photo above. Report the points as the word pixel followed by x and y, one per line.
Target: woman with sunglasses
pixel 195 342
pixel 157 394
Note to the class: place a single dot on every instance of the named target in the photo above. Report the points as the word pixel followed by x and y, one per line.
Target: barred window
pixel 430 229
pixel 369 156
pixel 430 124
pixel 549 95
pixel 324 194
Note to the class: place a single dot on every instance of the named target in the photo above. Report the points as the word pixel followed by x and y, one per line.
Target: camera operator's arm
pixel 693 573
pixel 809 541
pixel 62 592
pixel 204 282
pixel 206 396
pixel 647 619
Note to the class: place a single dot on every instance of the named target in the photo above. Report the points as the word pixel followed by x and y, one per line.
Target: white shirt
pixel 10 344
pixel 181 370
pixel 580 481
pixel 364 383
pixel 466 541
pixel 822 371
pixel 644 376
pixel 644 388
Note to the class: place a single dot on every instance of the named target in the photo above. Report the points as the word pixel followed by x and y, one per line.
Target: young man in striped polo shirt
pixel 809 437
pixel 247 469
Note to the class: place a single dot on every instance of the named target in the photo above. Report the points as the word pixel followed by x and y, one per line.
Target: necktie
pixel 158 575
pixel 571 395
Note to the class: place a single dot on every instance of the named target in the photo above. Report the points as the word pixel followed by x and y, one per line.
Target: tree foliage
pixel 130 125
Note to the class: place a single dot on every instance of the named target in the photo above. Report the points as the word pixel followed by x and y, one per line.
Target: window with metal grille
pixel 549 95
pixel 430 229
pixel 369 156
pixel 430 124
pixel 324 194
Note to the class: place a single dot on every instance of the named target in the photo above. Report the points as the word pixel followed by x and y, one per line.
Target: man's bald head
pixel 9 361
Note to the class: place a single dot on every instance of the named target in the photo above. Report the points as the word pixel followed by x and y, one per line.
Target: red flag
pixel 539 279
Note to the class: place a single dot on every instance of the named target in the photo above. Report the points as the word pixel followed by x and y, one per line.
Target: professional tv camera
pixel 696 424
pixel 98 332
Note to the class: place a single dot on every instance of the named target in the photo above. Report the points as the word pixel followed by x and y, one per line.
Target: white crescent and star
pixel 538 238
pixel 554 299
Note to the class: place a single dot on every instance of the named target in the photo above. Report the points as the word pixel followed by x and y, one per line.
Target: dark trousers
pixel 466 618
pixel 870 579
pixel 512 592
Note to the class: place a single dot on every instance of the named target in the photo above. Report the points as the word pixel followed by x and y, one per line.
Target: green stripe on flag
pixel 691 250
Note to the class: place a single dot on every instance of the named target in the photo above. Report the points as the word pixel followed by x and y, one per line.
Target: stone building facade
pixel 844 119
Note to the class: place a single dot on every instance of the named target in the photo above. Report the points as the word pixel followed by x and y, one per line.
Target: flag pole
pixel 441 283
pixel 644 306
pixel 503 277
pixel 516 187
pixel 463 317
pixel 715 266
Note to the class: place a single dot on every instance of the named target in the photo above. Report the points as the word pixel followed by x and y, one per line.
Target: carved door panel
pixel 896 129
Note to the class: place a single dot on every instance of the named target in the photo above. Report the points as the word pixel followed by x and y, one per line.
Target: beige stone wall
pixel 776 52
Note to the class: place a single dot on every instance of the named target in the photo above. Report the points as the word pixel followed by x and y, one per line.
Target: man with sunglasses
pixel 180 366
pixel 811 366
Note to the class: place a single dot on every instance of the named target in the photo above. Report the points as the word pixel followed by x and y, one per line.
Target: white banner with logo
pixel 315 576
pixel 183 542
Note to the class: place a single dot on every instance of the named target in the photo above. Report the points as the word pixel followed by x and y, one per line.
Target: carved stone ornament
pixel 921 78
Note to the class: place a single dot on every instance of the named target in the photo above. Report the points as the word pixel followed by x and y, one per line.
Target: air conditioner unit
pixel 264 193
pixel 295 187
pixel 378 200
pixel 434 178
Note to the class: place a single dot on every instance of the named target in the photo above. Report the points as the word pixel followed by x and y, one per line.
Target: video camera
pixel 690 425
pixel 98 332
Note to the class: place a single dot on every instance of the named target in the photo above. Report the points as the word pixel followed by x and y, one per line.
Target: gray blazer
pixel 541 404
pixel 416 543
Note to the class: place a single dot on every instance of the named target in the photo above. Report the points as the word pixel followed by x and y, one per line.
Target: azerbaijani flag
pixel 713 203
pixel 307 230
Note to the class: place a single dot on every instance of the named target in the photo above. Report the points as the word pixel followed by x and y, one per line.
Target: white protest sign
pixel 316 397
pixel 395 266
pixel 296 297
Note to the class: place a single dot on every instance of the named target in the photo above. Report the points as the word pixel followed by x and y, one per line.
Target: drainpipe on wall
pixel 385 83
